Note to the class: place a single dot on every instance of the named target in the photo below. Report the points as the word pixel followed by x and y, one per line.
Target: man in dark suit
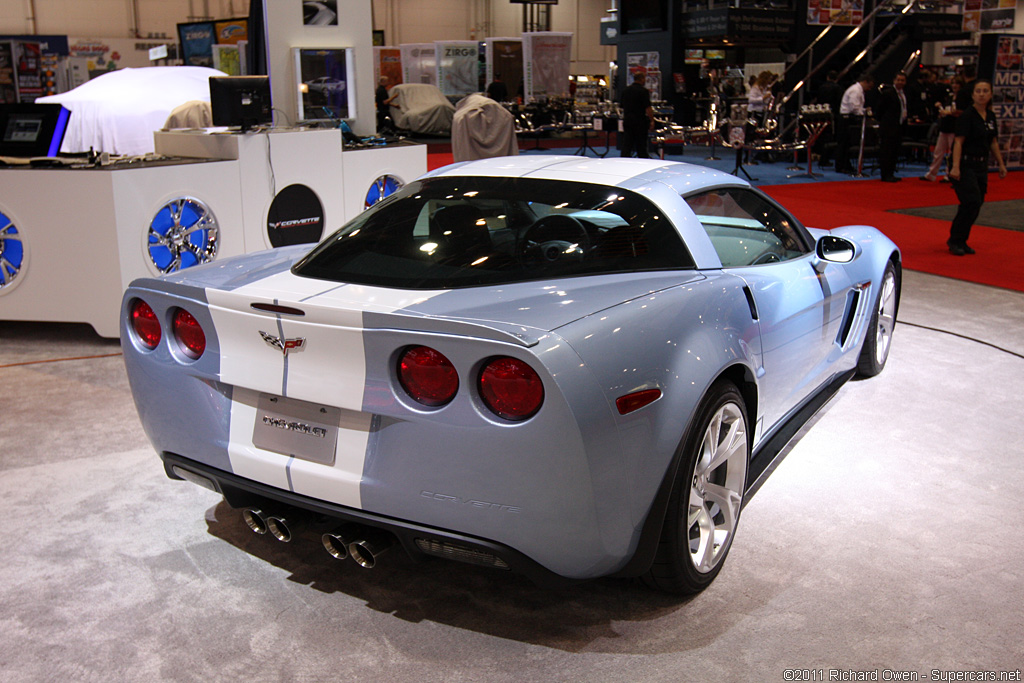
pixel 637 117
pixel 891 112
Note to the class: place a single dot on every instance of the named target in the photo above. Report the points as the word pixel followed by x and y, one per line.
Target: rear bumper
pixel 414 538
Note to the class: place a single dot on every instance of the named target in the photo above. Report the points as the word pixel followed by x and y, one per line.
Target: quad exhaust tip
pixel 365 551
pixel 282 525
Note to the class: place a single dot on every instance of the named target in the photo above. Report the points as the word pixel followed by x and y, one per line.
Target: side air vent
pixel 852 307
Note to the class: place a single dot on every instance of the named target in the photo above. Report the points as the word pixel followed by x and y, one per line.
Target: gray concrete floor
pixel 890 538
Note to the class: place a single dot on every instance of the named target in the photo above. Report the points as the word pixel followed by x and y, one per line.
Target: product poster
pixel 1006 62
pixel 228 58
pixel 8 93
pixel 649 64
pixel 838 12
pixel 29 70
pixel 197 41
pixel 505 58
pixel 418 63
pixel 231 31
pixel 546 57
pixel 387 61
pixel 988 15
pixel 458 67
pixel 320 12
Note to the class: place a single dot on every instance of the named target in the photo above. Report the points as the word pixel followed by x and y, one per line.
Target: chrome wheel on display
pixel 716 491
pixel 12 252
pixel 382 188
pixel 183 233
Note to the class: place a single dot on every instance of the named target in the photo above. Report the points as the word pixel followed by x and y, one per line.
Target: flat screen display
pixel 32 130
pixel 242 101
pixel 325 83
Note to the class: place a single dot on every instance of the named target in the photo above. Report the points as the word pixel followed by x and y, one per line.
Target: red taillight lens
pixel 427 376
pixel 189 334
pixel 511 388
pixel 145 324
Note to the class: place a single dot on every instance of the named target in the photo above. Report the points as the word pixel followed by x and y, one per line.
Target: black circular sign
pixel 296 216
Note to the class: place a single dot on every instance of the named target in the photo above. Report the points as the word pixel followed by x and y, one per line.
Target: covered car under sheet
pixel 482 129
pixel 118 111
pixel 421 108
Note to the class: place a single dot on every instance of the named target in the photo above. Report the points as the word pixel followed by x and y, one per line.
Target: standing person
pixel 947 129
pixel 976 136
pixel 851 113
pixel 383 101
pixel 637 117
pixel 497 90
pixel 759 99
pixel 891 112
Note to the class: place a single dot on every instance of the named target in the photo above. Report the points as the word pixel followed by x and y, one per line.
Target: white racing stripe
pixel 336 483
pixel 328 369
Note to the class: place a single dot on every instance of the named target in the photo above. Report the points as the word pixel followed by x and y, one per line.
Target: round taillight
pixel 145 324
pixel 427 376
pixel 189 334
pixel 511 388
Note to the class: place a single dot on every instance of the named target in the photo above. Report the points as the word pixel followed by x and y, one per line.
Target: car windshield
pixel 450 232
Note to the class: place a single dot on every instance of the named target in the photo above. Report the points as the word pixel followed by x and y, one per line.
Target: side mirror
pixel 835 249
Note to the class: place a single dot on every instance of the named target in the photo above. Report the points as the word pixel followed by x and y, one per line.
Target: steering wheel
pixel 556 238
pixel 767 257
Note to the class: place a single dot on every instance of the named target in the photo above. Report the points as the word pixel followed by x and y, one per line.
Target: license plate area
pixel 307 431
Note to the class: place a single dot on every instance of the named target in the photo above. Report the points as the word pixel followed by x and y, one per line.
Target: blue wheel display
pixel 12 252
pixel 382 187
pixel 183 233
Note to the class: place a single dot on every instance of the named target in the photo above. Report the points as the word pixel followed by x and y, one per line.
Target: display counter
pixel 72 239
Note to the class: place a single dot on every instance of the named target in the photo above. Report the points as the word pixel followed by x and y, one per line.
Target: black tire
pixel 689 554
pixel 878 335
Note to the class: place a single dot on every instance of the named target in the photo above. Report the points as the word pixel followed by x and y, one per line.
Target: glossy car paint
pixel 570 487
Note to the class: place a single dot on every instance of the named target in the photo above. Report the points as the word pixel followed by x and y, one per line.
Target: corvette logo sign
pixel 285 345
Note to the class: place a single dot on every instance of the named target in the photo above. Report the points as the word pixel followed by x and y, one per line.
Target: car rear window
pixel 451 232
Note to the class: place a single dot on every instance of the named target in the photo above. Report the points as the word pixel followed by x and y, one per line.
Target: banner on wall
pixel 989 15
pixel 838 12
pixel 648 64
pixel 419 63
pixel 546 57
pixel 458 67
pixel 387 61
pixel 505 57
pixel 1002 56
pixel 8 93
pixel 197 41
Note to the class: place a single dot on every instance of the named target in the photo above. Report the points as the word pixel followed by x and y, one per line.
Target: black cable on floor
pixel 963 336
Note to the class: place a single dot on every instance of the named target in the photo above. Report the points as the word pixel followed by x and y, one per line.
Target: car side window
pixel 746 229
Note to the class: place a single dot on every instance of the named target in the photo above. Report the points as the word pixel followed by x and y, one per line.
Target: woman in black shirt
pixel 975 138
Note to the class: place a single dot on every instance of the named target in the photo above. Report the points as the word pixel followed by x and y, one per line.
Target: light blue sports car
pixel 564 367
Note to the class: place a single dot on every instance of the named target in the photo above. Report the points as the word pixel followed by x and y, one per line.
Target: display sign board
pixel 1001 58
pixel 985 15
pixel 546 58
pixel 458 67
pixel 387 61
pixel 419 63
pixel 505 56
pixel 750 24
pixel 296 216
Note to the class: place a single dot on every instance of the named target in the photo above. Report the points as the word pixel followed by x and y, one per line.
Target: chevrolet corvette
pixel 567 368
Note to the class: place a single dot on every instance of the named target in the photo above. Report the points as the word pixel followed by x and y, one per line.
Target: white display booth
pixel 82 235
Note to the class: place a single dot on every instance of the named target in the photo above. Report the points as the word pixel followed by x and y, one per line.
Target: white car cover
pixel 481 129
pixel 421 108
pixel 118 111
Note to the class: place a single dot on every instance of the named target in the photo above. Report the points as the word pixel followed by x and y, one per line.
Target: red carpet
pixel 1000 258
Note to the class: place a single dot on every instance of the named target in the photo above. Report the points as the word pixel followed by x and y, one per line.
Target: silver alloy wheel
pixel 191 221
pixel 886 317
pixel 716 491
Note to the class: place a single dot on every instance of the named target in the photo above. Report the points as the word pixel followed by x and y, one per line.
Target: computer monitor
pixel 242 101
pixel 32 130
